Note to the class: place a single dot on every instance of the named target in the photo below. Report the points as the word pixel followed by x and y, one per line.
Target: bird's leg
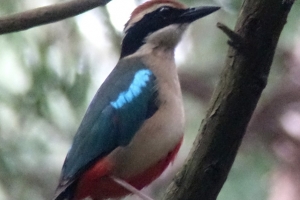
pixel 129 187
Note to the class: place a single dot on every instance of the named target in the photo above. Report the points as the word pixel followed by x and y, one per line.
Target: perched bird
pixel 133 128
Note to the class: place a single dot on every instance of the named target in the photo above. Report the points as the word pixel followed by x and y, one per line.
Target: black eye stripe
pixel 151 22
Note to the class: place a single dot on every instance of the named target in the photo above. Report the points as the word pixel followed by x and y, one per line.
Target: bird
pixel 134 126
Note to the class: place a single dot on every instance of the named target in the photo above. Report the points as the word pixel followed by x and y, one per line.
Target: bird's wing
pixel 123 102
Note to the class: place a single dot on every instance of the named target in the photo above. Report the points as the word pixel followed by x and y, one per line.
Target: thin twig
pixel 44 15
pixel 129 187
pixel 235 40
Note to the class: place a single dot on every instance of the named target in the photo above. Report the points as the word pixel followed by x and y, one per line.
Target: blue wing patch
pixel 139 82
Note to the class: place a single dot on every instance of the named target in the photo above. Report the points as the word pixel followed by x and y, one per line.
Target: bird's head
pixel 159 23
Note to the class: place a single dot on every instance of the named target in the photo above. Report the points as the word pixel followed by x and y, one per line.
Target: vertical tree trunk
pixel 242 81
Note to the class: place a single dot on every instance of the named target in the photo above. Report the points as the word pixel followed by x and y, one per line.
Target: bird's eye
pixel 163 9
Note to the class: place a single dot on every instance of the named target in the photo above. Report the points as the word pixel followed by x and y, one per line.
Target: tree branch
pixel 234 100
pixel 47 14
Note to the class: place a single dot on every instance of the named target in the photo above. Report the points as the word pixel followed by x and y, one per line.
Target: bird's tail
pixel 65 192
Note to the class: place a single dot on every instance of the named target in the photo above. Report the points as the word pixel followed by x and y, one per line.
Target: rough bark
pixel 242 81
pixel 47 14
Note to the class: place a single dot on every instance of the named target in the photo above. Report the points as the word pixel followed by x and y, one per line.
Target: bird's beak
pixel 191 14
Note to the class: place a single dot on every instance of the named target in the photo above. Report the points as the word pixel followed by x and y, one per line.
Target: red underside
pixel 96 183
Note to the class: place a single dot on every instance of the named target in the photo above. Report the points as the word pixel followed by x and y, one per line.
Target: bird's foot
pixel 129 187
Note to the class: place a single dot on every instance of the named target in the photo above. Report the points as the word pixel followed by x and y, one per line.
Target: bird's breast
pixel 156 138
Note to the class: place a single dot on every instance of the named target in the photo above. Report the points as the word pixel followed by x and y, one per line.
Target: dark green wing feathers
pixel 123 102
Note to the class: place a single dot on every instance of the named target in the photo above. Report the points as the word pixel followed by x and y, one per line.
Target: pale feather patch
pixel 164 39
pixel 167 37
